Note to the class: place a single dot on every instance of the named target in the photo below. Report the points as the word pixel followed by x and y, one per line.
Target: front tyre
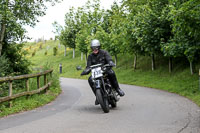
pixel 103 101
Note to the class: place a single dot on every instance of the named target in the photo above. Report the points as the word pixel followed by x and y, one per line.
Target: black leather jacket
pixel 102 57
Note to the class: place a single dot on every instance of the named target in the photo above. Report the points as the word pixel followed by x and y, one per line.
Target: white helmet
pixel 95 44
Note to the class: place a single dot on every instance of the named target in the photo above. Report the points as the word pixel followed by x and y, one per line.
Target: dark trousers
pixel 112 78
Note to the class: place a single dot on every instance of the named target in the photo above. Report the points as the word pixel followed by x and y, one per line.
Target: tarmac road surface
pixel 141 110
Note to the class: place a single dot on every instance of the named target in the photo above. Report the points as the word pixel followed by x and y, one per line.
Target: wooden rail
pixel 26 78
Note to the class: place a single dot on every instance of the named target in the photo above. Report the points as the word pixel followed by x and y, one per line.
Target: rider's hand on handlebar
pixel 86 71
pixel 83 73
pixel 112 64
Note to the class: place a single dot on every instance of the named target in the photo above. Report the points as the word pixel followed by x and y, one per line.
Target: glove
pixel 86 71
pixel 112 64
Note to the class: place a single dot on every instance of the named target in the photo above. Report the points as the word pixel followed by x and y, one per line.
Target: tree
pixel 116 31
pixel 63 38
pixel 186 29
pixel 72 27
pixel 14 14
pixel 90 19
pixel 59 31
pixel 131 45
pixel 85 31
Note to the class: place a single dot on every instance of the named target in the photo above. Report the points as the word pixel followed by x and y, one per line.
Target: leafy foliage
pixel 13 16
pixel 157 27
pixel 16 61
pixel 4 66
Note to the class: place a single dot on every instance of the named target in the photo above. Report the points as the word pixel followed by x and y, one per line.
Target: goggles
pixel 95 48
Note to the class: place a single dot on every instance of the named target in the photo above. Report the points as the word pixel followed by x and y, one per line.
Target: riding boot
pixel 114 83
pixel 118 90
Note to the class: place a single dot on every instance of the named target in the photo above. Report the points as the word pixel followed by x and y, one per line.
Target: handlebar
pixel 88 70
pixel 100 65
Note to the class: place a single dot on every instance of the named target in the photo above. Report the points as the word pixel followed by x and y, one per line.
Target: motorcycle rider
pixel 99 56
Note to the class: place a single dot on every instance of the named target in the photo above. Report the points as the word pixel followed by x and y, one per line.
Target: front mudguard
pixel 97 84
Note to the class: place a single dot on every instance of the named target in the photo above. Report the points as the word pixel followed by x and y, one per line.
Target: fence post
pixel 51 74
pixel 38 82
pixel 45 81
pixel 27 87
pixel 10 92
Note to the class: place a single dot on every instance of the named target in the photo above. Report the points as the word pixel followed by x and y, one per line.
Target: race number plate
pixel 96 72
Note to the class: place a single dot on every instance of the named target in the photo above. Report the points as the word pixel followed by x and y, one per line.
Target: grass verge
pixel 30 102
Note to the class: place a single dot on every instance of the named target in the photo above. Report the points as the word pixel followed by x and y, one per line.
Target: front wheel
pixel 103 101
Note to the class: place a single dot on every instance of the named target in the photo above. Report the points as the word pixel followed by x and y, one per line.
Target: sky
pixel 44 28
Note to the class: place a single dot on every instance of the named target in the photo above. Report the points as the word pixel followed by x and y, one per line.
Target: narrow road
pixel 141 110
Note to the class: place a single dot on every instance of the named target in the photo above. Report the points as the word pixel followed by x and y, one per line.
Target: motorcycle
pixel 105 93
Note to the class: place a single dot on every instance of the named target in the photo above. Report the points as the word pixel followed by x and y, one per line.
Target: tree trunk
pixel 170 64
pixel 153 62
pixel 65 53
pixel 191 68
pixel 73 53
pixel 135 61
pixel 81 55
pixel 86 59
pixel 115 61
pixel 2 34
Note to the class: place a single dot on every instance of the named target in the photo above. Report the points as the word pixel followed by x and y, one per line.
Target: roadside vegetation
pixel 14 16
pixel 28 102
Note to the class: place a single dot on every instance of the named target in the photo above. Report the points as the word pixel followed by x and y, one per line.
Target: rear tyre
pixel 113 103
pixel 113 99
pixel 103 101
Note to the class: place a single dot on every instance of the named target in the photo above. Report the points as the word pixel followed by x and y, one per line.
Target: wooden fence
pixel 10 80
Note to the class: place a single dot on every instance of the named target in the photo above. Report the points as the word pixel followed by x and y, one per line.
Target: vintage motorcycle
pixel 105 93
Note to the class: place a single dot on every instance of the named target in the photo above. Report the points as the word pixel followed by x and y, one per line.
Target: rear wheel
pixel 113 103
pixel 103 101
pixel 113 99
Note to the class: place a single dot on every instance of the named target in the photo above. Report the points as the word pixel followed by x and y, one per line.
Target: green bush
pixel 45 52
pixel 55 51
pixel 14 61
pixel 3 66
pixel 34 52
pixel 40 46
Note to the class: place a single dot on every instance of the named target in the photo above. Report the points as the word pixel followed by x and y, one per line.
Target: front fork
pixel 99 85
